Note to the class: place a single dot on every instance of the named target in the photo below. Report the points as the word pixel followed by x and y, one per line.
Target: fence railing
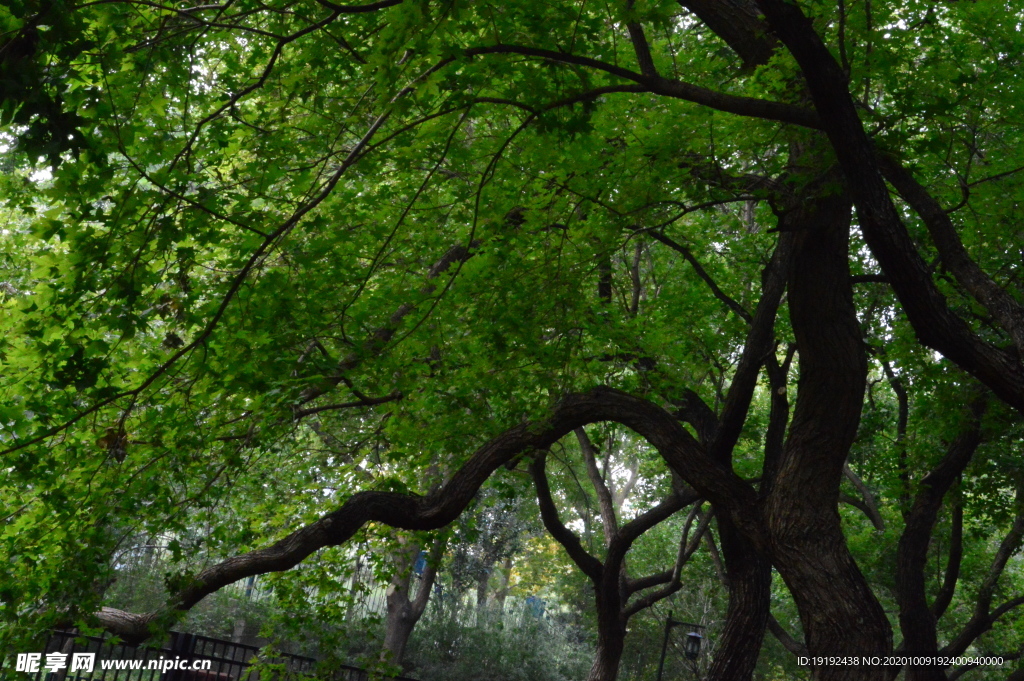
pixel 181 657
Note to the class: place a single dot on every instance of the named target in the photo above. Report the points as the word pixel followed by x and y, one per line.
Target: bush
pixel 509 648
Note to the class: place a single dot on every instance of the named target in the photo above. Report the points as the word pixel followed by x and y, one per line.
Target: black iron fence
pixel 181 657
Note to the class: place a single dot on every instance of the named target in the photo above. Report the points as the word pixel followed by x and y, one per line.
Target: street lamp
pixel 691 647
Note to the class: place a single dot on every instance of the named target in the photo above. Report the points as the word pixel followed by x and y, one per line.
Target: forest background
pixel 623 306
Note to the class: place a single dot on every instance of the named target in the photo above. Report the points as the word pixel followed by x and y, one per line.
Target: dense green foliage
pixel 257 257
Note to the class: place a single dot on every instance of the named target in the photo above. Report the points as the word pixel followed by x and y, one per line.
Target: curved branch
pixel 741 106
pixel 439 508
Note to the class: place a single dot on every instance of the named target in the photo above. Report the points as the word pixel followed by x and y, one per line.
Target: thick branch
pixel 413 512
pixel 632 530
pixel 1000 304
pixel 935 324
pixel 738 23
pixel 760 342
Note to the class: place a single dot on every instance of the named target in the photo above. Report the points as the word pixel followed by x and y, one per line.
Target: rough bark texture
pixel 749 575
pixel 839 612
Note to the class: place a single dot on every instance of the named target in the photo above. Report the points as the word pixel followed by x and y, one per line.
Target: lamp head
pixel 691 647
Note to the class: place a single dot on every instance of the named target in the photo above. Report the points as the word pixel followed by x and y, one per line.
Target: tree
pixel 480 227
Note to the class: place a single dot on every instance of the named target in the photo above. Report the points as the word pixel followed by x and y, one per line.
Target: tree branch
pixel 760 341
pixel 956 553
pixel 703 274
pixel 870 507
pixel 428 577
pixel 783 636
pixel 984 617
pixel 936 325
pixel 686 550
pixel 588 564
pixel 605 503
pixel 439 508
pixel 999 303
pixel 742 106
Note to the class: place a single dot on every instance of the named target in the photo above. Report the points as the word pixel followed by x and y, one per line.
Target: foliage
pixel 516 647
pixel 259 258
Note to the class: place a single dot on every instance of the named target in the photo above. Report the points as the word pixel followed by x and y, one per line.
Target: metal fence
pixel 182 657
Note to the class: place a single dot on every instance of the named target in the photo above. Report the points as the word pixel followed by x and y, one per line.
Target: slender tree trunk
pixel 502 593
pixel 482 582
pixel 917 621
pixel 839 612
pixel 404 609
pixel 398 622
pixel 749 576
pixel 399 626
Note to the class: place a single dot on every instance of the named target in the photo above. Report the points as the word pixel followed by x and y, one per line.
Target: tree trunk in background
pixel 405 610
pixel 482 581
pixel 502 593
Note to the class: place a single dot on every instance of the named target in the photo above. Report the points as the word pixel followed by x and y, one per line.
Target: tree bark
pixel 839 612
pixel 749 576
pixel 611 629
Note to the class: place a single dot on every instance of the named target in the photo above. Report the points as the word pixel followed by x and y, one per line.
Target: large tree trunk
pixel 839 612
pixel 611 629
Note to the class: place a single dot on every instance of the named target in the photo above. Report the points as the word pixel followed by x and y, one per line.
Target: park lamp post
pixel 691 647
